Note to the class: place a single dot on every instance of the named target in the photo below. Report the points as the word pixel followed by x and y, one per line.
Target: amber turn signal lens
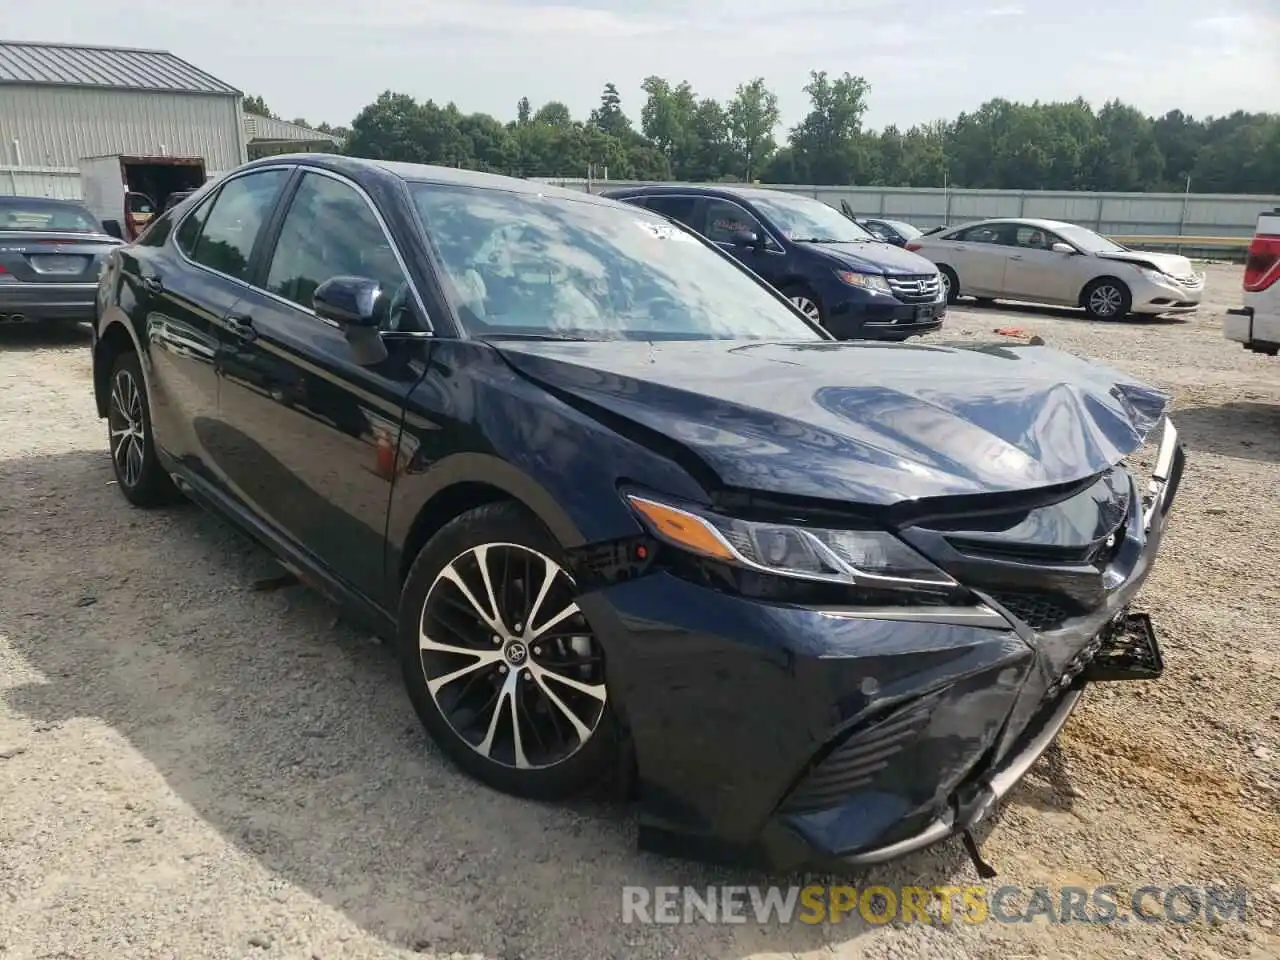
pixel 682 528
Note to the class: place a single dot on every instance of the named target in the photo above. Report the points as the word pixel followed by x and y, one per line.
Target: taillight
pixel 913 246
pixel 1262 265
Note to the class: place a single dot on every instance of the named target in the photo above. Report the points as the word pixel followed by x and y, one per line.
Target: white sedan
pixel 1047 261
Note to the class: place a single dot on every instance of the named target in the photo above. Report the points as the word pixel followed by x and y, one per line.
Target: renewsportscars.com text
pixel 814 904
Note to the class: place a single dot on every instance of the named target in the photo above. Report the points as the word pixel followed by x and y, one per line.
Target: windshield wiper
pixel 534 336
pixel 829 240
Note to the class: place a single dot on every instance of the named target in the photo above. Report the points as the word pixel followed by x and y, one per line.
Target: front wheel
pixel 806 301
pixel 504 670
pixel 1107 299
pixel 139 475
pixel 950 284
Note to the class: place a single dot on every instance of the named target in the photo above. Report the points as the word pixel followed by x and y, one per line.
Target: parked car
pixel 176 198
pixel 1051 262
pixel 1257 323
pixel 835 272
pixel 50 254
pixel 897 232
pixel 623 510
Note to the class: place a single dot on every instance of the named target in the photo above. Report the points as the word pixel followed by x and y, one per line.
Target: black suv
pixel 833 270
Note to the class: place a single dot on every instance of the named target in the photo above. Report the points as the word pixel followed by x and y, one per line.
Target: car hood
pixel 1169 263
pixel 859 421
pixel 872 258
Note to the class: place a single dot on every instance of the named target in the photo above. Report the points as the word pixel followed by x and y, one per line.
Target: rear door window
pixel 677 208
pixel 242 206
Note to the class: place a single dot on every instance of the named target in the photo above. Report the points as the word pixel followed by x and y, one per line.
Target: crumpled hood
pixel 873 258
pixel 860 421
pixel 1170 263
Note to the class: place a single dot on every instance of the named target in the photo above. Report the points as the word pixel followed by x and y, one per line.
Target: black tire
pixel 503 530
pixel 1100 305
pixel 798 291
pixel 951 282
pixel 139 475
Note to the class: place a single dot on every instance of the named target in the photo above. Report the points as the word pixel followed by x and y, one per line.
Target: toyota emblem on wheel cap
pixel 517 653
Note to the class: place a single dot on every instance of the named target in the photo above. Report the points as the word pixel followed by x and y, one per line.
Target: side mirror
pixel 745 238
pixel 1063 248
pixel 354 304
pixel 348 301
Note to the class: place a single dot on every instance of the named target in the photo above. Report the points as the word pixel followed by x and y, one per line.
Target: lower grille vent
pixel 854 764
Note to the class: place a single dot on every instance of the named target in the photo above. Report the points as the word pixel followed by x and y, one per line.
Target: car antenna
pixel 985 870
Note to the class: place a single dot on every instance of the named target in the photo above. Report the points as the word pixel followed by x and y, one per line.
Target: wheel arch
pixel 460 483
pixel 115 338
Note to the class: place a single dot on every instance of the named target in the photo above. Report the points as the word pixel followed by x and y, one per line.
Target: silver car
pixel 50 255
pixel 1048 261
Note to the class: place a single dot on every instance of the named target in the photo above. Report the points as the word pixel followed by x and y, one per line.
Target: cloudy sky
pixel 925 59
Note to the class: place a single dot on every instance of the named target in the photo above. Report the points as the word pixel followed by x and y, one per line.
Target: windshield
pixel 529 265
pixel 801 219
pixel 1087 240
pixel 42 216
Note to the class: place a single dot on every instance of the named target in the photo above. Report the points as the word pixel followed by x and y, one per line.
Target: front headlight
pixel 1155 276
pixel 871 282
pixel 867 558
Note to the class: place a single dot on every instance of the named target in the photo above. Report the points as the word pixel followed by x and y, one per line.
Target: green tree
pixel 608 117
pixel 752 117
pixel 257 106
pixel 554 112
pixel 827 144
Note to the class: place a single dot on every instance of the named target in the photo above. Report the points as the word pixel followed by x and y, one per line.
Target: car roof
pixel 1020 221
pixel 361 169
pixel 42 202
pixel 738 191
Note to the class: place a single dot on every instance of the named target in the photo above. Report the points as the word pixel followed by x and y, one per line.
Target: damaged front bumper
pixel 794 738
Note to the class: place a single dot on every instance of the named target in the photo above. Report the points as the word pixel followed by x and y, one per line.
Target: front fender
pixel 472 420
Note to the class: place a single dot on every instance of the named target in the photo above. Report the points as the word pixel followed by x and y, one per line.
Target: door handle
pixel 152 284
pixel 1015 258
pixel 241 326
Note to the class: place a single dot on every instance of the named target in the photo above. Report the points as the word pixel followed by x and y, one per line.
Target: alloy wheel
pixel 1105 300
pixel 509 659
pixel 946 285
pixel 807 307
pixel 127 431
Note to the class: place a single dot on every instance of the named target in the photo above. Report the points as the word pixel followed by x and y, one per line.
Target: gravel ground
pixel 192 768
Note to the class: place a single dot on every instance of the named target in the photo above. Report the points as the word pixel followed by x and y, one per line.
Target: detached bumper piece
pixel 1129 651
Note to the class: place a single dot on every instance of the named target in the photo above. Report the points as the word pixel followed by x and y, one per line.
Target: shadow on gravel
pixel 1241 429
pixel 288 733
pixel 21 337
pixel 1064 313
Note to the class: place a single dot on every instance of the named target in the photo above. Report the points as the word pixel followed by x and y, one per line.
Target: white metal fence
pixel 1113 214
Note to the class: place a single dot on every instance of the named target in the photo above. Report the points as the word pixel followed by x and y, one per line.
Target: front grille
pixel 920 288
pixel 855 763
pixel 1037 611
pixel 1192 281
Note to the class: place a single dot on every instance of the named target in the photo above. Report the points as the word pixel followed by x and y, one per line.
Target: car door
pixel 184 284
pixel 979 255
pixel 1036 272
pixel 721 219
pixel 311 433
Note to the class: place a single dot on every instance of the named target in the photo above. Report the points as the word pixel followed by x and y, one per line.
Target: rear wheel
pixel 502 666
pixel 950 284
pixel 139 475
pixel 1107 299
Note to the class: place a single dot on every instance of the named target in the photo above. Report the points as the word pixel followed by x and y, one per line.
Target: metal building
pixel 61 102
pixel 270 137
